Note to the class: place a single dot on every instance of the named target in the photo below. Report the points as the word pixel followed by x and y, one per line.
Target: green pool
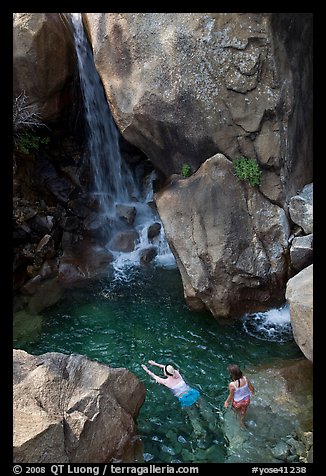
pixel 126 323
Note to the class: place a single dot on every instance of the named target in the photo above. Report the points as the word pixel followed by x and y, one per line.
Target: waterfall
pixel 113 181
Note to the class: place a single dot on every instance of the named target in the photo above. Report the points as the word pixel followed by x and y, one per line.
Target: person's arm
pixel 155 377
pixel 251 388
pixel 157 365
pixel 230 397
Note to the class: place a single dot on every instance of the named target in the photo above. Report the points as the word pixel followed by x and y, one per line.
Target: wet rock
pixel 126 213
pixel 215 453
pixel 148 457
pixel 187 455
pixel 147 255
pixel 124 241
pixel 168 449
pixel 94 222
pixel 152 205
pixel 70 273
pixel 182 440
pixel 296 447
pixel 32 270
pixel 292 459
pixel 281 450
pixel 153 230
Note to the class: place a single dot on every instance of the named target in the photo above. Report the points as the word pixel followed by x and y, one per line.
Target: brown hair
pixel 234 371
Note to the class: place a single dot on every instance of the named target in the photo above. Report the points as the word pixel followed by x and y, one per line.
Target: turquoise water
pixel 127 324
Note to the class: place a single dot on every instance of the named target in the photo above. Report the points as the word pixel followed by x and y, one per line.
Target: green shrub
pixel 186 170
pixel 28 142
pixel 248 170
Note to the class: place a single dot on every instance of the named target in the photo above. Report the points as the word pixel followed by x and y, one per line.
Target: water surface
pixel 125 324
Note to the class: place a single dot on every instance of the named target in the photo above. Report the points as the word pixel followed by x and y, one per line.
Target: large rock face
pixel 293 50
pixel 43 61
pixel 301 209
pixel 68 408
pixel 184 86
pixel 229 241
pixel 299 294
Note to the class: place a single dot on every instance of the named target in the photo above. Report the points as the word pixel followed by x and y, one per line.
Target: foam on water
pixel 273 324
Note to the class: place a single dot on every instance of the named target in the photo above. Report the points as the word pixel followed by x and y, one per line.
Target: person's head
pixel 169 370
pixel 234 371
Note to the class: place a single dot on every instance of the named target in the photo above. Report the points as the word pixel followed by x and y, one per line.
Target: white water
pixel 113 181
pixel 272 325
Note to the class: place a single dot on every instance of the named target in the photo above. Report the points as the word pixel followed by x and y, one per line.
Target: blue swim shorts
pixel 189 398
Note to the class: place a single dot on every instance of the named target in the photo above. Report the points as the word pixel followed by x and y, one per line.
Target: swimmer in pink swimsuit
pixel 240 390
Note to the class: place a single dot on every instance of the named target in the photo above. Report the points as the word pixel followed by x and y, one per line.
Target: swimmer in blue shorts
pixel 188 397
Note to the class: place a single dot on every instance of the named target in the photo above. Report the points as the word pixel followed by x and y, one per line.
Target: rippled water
pixel 126 324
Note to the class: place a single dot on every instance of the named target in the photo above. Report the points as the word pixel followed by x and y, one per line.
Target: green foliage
pixel 186 170
pixel 28 142
pixel 248 170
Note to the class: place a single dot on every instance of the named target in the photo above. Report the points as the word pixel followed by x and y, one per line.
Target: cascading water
pixel 113 181
pixel 272 325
